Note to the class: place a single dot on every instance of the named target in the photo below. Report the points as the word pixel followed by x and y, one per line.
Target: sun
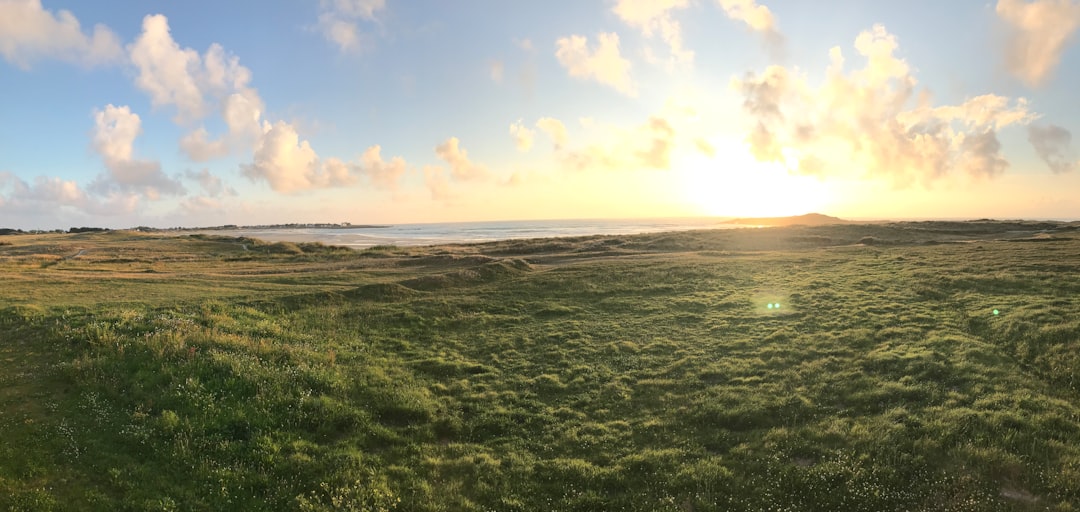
pixel 733 184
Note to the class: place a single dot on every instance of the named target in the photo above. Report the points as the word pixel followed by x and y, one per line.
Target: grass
pixel 593 373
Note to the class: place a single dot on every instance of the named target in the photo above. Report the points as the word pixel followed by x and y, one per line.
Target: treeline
pixel 87 230
pixel 10 231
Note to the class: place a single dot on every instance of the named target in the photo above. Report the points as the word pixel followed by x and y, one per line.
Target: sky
pixel 123 113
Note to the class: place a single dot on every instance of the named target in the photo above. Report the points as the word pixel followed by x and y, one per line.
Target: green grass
pixel 594 373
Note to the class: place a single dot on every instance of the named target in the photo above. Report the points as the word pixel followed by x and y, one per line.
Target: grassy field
pixel 916 366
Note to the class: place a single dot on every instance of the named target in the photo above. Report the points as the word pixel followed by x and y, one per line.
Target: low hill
pixel 810 219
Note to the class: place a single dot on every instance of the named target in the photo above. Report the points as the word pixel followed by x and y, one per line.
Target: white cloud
pixel 28 33
pixel 49 190
pixel 289 164
pixel 654 17
pixel 873 120
pixel 196 85
pixel 757 17
pixel 242 112
pixel 1039 32
pixel 168 73
pixel 56 198
pixel 1054 146
pixel 523 137
pixel 128 180
pixel 554 129
pixel 198 146
pixel 344 33
pixel 339 20
pixel 193 83
pixel 603 64
pixel 381 173
pixel 461 168
pixel 285 162
pixel 115 130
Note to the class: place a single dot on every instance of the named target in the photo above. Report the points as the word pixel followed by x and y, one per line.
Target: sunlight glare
pixel 733 184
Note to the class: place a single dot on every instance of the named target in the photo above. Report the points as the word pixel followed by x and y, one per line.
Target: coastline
pixel 467 232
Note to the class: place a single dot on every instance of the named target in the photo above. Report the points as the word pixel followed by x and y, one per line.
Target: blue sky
pixel 124 113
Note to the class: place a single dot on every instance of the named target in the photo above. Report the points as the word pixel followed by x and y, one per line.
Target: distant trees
pixel 86 230
pixel 9 231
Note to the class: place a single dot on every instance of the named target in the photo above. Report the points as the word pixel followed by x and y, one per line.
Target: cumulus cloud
pixel 523 137
pixel 285 162
pixel 339 21
pixel 381 173
pixel 1039 31
pixel 554 129
pixel 168 73
pixel 48 190
pixel 654 18
pixel 242 112
pixel 119 190
pixel 115 130
pixel 758 17
pixel 461 168
pixel 1054 146
pixel 198 146
pixel 289 164
pixel 196 85
pixel 602 63
pixel 873 120
pixel 48 196
pixel 28 32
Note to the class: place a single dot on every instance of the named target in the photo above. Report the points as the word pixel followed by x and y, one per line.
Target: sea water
pixel 472 232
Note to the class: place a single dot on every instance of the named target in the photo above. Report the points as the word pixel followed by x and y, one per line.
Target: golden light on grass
pixel 733 184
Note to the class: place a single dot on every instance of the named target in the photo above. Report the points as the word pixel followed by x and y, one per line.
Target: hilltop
pixel 809 219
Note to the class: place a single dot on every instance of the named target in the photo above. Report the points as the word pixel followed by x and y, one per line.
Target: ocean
pixel 472 232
